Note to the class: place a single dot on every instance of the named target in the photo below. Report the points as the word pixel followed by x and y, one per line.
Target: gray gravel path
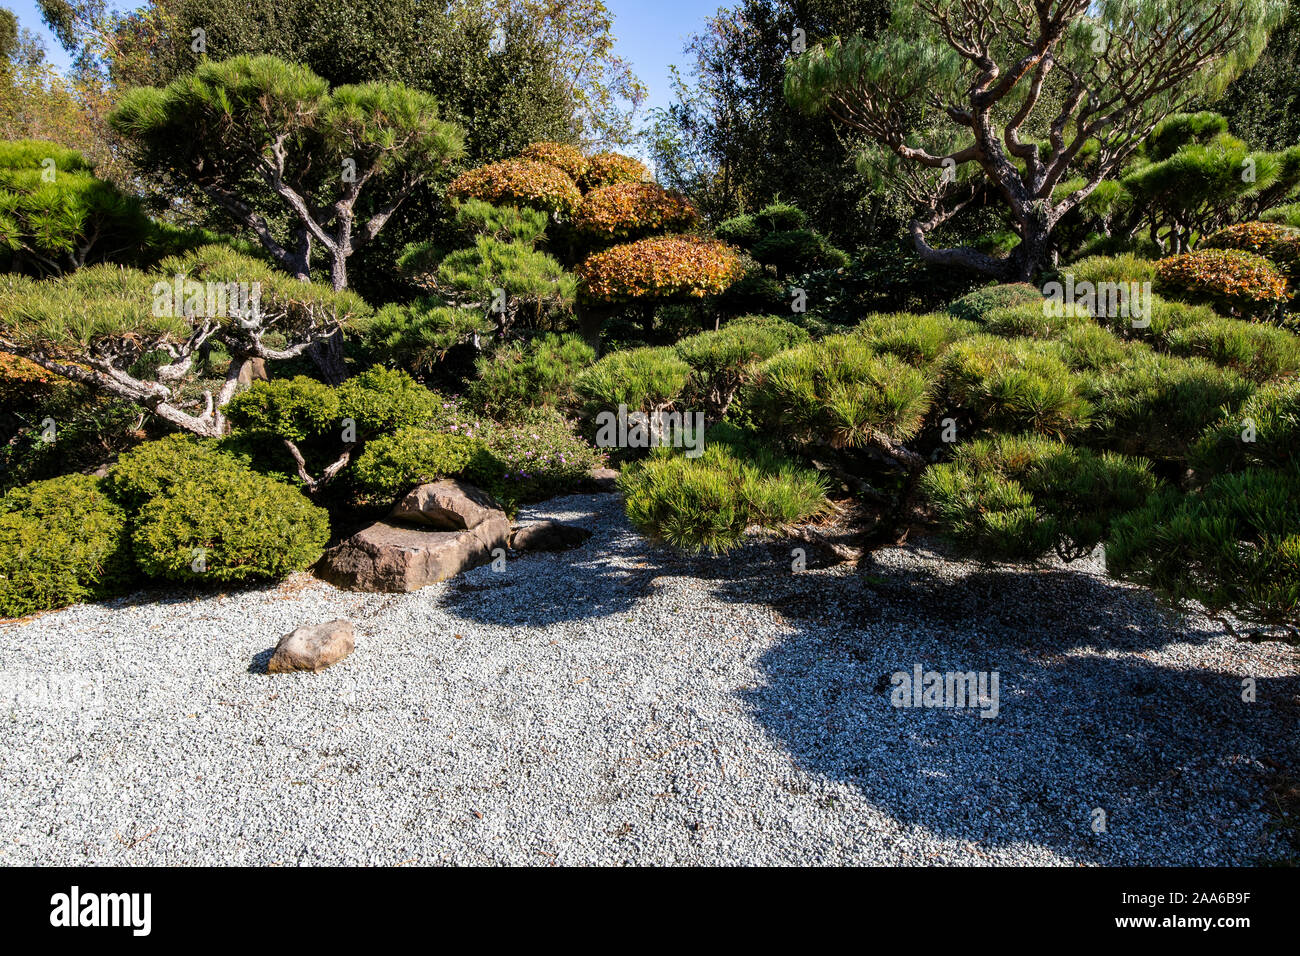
pixel 622 704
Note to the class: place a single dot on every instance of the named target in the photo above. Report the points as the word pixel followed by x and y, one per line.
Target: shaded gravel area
pixel 623 704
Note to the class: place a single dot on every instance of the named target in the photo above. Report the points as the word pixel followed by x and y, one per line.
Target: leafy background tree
pixel 732 142
pixel 554 76
pixel 975 98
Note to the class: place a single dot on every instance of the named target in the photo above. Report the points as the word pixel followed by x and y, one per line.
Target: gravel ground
pixel 622 704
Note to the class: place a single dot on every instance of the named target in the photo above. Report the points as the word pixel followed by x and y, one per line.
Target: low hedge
pixel 231 525
pixel 62 540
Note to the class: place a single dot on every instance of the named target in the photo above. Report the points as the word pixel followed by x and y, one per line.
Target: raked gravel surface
pixel 622 704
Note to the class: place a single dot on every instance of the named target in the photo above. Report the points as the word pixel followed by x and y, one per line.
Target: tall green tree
pixel 978 99
pixel 732 142
pixel 258 125
pixel 1264 102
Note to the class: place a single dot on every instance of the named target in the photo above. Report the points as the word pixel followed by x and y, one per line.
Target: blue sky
pixel 650 33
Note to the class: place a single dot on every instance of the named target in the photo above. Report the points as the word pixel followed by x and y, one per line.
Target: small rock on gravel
pixel 312 647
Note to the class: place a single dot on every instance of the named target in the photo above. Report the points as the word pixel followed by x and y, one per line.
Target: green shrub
pixel 723 360
pixel 1014 385
pixel 1092 348
pixel 707 502
pixel 393 464
pixel 229 525
pixel 157 467
pixel 916 339
pixel 1035 320
pixel 742 230
pixel 540 375
pixel 1121 270
pixel 1021 496
pixel 1260 353
pixel 292 408
pixel 1235 545
pixel 1264 432
pixel 382 399
pixel 974 306
pixel 1156 405
pixel 781 327
pixel 840 392
pixel 798 250
pixel 417 335
pixel 643 379
pixel 1286 215
pixel 61 541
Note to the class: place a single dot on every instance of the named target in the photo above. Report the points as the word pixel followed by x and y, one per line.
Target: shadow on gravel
pixel 1168 750
pixel 260 661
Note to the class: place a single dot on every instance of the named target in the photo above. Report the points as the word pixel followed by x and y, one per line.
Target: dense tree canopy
pixel 966 99
pixel 257 128
pixel 732 142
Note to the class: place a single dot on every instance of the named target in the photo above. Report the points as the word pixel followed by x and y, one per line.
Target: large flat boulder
pixel 391 557
pixel 448 505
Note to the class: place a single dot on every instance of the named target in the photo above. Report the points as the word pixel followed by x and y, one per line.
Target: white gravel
pixel 623 704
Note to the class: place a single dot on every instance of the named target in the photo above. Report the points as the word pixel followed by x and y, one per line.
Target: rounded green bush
pixel 838 391
pixel 1092 348
pixel 541 375
pixel 393 464
pixel 291 408
pixel 230 525
pixel 780 326
pixel 62 540
pixel 1264 432
pixel 643 379
pixel 798 250
pixel 1035 320
pixel 1234 545
pixel 382 399
pixel 155 467
pixel 974 306
pixel 1156 405
pixel 1122 269
pixel 708 502
pixel 1261 353
pixel 1014 385
pixel 916 339
pixel 1021 496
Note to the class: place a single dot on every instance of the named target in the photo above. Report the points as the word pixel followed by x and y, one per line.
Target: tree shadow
pixel 1101 711
pixel 1105 704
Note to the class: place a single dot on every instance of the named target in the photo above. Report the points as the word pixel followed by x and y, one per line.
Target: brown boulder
pixel 389 557
pixel 547 536
pixel 601 480
pixel 450 505
pixel 312 647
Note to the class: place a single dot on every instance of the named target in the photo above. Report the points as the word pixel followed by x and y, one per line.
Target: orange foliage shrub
pixel 518 182
pixel 564 157
pixel 1238 281
pixel 606 169
pixel 626 210
pixel 663 267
